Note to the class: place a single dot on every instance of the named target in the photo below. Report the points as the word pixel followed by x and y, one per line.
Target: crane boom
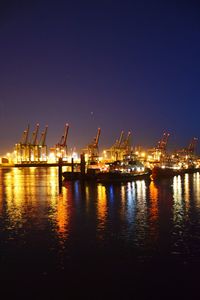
pixel 120 139
pixel 43 136
pixel 64 142
pixel 128 137
pixel 35 134
pixel 192 145
pixel 24 139
pixel 96 141
pixel 163 142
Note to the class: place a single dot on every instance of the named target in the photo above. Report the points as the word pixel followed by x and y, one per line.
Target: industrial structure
pixel 186 155
pixel 158 153
pixel 31 150
pixel 120 149
pixel 92 149
pixel 60 150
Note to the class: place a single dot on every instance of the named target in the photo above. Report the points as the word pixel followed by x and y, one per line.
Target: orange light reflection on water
pixel 187 192
pixel 178 207
pixel 141 211
pixel 63 214
pixel 101 209
pixel 15 196
pixel 196 185
pixel 153 211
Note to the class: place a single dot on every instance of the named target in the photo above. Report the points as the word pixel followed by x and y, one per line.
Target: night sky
pixel 110 64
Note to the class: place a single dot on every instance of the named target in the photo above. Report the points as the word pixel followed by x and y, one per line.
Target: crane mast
pixel 43 137
pixel 34 135
pixel 41 148
pixel 162 144
pixel 24 139
pixel 96 141
pixel 61 147
pixel 64 138
pixel 93 148
pixel 126 144
pixel 120 139
pixel 192 146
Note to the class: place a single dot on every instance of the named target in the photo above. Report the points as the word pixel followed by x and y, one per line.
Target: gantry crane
pixel 192 146
pixel 187 154
pixel 61 146
pixel 43 137
pixel 27 151
pixel 162 144
pixel 42 147
pixel 115 150
pixel 93 148
pixel 126 145
pixel 34 140
pixel 24 139
pixel 121 149
pixel 21 148
pixel 33 145
pixel 159 152
pixel 118 142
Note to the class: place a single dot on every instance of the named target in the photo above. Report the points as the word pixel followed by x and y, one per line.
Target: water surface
pixel 140 231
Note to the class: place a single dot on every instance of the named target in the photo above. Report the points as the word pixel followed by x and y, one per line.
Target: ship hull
pixel 158 172
pixel 106 176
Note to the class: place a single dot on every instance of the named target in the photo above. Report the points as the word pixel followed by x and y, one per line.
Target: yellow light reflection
pixel 153 211
pixel 178 200
pixel 141 211
pixel 186 192
pixel 101 209
pixel 196 186
pixel 87 197
pixel 62 215
pixel 1 192
pixel 15 195
pixel 123 201
pixel 53 188
pixel 131 194
pixel 154 201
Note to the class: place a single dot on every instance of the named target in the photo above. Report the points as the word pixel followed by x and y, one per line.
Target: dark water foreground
pixel 141 237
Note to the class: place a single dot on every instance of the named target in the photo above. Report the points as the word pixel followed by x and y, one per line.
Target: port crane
pixel 93 148
pixel 162 144
pixel 192 146
pixel 21 148
pixel 24 139
pixel 118 142
pixel 28 151
pixel 63 140
pixel 42 141
pixel 34 140
pixel 61 146
pixel 126 145
pixel 121 148
pixel 42 147
pixel 116 148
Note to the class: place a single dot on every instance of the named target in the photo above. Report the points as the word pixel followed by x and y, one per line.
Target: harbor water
pixel 135 234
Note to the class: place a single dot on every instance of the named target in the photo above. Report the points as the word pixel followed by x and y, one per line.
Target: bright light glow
pixel 75 155
pixel 52 157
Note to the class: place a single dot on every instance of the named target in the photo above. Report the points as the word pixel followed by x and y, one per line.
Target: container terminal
pixel 121 158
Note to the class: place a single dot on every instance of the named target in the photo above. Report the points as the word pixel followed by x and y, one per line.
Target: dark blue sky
pixel 134 64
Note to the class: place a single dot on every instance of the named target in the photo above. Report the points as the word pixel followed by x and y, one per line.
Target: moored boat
pixel 169 171
pixel 118 171
pixel 107 176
